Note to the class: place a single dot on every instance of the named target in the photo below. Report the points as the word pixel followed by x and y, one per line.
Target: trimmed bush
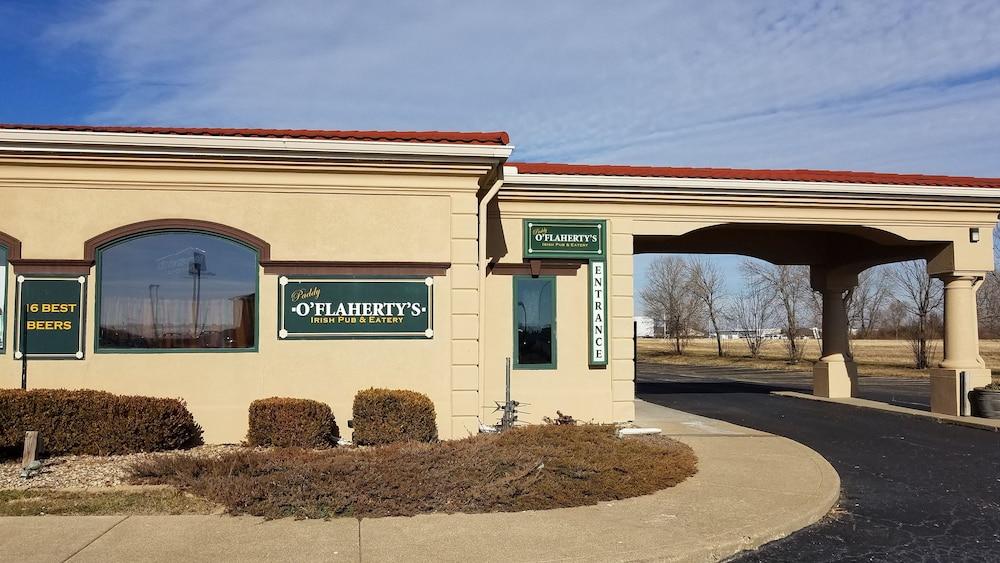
pixel 284 423
pixel 384 416
pixel 86 422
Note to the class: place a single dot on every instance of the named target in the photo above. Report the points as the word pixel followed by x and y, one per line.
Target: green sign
pixel 598 313
pixel 551 238
pixel 50 317
pixel 390 307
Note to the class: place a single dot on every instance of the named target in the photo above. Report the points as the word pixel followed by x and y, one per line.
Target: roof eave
pixel 622 184
pixel 187 145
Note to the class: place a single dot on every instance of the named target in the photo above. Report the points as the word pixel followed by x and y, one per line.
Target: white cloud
pixel 897 86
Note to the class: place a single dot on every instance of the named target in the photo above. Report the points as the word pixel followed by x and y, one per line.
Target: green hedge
pixel 384 416
pixel 285 422
pixel 86 422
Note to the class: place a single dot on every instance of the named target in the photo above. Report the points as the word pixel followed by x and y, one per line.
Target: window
pixel 3 298
pixel 535 322
pixel 176 291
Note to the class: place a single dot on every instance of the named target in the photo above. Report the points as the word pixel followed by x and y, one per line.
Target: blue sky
pixel 897 86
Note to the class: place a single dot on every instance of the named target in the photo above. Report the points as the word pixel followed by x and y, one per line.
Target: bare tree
pixel 791 287
pixel 920 296
pixel 708 286
pixel 894 317
pixel 988 296
pixel 668 296
pixel 988 305
pixel 867 301
pixel 751 313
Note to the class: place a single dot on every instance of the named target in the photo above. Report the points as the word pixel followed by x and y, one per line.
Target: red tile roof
pixel 490 138
pixel 744 174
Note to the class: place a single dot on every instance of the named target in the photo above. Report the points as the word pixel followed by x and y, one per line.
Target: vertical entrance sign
pixel 598 313
pixel 50 317
pixel 580 239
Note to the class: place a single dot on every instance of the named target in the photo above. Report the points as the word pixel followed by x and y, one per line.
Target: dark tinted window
pixel 177 290
pixel 534 313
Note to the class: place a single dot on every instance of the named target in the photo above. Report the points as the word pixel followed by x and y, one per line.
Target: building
pixel 645 327
pixel 738 333
pixel 222 266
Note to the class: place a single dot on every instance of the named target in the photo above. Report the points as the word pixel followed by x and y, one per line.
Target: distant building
pixel 737 333
pixel 645 327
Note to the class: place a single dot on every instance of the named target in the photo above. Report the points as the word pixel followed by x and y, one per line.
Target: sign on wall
pixel 560 238
pixel 598 313
pixel 390 307
pixel 577 239
pixel 50 317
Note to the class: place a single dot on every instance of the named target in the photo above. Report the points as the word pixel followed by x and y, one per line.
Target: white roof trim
pixel 648 183
pixel 218 145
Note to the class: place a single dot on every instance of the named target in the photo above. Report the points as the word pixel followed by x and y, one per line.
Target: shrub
pixel 384 416
pixel 86 422
pixel 527 468
pixel 284 422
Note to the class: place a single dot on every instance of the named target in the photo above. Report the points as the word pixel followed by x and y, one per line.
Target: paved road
pixel 913 489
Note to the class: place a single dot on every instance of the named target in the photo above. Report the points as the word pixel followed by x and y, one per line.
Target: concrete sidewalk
pixel 751 487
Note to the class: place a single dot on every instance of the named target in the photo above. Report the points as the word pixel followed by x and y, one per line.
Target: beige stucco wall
pixel 599 394
pixel 413 216
pixel 396 212
pixel 610 391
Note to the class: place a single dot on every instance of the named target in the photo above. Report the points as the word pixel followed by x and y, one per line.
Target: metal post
pixel 963 395
pixel 507 378
pixel 24 339
pixel 635 341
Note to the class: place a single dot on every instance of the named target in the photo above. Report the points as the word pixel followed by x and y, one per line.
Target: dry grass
pixel 874 357
pixel 536 467
pixel 39 502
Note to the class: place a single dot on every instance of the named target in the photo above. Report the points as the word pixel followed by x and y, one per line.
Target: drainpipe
pixel 483 204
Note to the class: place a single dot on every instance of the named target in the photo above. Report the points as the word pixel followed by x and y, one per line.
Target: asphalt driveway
pixel 913 489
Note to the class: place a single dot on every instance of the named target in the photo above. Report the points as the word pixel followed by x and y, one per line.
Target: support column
pixel 961 346
pixel 621 309
pixel 835 374
pixel 464 279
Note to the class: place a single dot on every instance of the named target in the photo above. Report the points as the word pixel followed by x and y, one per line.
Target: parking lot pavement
pixel 913 489
pixel 911 392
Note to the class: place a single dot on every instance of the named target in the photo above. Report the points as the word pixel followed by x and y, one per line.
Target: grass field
pixel 874 357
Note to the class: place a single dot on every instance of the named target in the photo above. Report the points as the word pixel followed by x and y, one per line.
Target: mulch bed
pixel 90 471
pixel 529 468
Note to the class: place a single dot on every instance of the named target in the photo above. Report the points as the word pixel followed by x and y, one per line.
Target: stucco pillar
pixel 961 345
pixel 835 374
pixel 621 309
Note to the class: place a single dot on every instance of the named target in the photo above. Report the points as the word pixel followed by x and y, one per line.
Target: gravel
pixel 88 472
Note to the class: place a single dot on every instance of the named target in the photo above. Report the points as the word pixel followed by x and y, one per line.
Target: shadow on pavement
pixel 675 387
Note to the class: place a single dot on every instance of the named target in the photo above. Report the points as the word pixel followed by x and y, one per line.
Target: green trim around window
pixel 516 359
pixel 3 299
pixel 97 302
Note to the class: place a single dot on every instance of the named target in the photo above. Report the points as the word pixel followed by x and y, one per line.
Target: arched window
pixel 176 290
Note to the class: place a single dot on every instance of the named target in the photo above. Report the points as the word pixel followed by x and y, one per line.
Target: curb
pixel 794 522
pixel 824 496
pixel 970 421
